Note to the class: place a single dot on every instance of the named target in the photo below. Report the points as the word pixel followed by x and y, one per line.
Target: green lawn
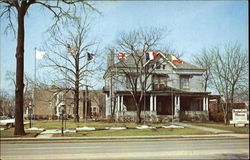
pixel 222 126
pixel 100 126
pixel 9 133
pixel 56 124
pixel 135 132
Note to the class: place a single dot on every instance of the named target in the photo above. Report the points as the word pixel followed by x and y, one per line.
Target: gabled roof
pixel 166 56
pixel 130 61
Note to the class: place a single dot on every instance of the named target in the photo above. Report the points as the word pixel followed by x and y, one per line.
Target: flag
pixel 151 56
pixel 39 54
pixel 90 56
pixel 122 56
pixel 71 49
pixel 175 59
pixel 178 61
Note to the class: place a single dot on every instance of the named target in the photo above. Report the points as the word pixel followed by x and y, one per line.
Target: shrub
pixel 184 117
pixel 217 117
pixel 54 117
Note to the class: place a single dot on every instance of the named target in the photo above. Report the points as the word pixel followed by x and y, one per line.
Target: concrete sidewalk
pixel 216 131
pixel 47 133
pixel 127 138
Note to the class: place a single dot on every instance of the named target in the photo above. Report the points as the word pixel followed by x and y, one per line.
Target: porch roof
pixel 170 91
pixel 214 96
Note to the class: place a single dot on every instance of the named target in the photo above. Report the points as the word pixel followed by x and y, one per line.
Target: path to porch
pixel 202 128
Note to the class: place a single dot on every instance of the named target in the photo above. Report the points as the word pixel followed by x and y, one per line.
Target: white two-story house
pixel 175 90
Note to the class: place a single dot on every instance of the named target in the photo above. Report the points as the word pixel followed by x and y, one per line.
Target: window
pixel 93 109
pixel 184 82
pixel 160 81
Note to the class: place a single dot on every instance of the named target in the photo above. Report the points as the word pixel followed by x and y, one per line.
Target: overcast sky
pixel 192 25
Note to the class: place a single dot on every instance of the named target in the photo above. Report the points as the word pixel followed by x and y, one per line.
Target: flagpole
pixel 34 87
pixel 117 101
pixel 86 92
pixel 144 93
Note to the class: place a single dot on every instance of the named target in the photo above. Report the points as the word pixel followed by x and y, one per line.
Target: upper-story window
pixel 159 81
pixel 184 82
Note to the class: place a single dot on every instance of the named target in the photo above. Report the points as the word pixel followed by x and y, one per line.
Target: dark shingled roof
pixel 130 62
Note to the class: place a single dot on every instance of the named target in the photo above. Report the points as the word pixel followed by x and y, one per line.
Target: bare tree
pixel 7 105
pixel 229 72
pixel 136 44
pixel 99 99
pixel 68 55
pixel 28 87
pixel 204 60
pixel 17 9
pixel 168 49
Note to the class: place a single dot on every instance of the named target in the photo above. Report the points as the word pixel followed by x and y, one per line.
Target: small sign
pixel 62 109
pixel 239 117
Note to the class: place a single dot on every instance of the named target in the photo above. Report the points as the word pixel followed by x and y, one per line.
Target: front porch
pixel 162 107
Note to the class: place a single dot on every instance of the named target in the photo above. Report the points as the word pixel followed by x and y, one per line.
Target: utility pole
pixel 86 103
pixel 144 94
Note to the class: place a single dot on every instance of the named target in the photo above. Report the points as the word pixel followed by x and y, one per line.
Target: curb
pixel 124 138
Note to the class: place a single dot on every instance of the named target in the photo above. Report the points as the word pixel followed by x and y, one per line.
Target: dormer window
pixel 184 80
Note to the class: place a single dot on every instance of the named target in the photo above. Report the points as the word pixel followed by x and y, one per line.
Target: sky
pixel 191 26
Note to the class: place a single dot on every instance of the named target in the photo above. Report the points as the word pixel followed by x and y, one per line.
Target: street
pixel 149 149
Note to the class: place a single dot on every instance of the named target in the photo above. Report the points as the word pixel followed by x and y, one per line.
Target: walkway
pixel 203 128
pixel 48 133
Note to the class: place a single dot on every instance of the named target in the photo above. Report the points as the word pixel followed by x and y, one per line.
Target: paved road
pixel 153 149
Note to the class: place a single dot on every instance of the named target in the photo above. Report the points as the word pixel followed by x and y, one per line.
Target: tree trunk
pixel 232 95
pixel 138 112
pixel 76 97
pixel 112 117
pixel 19 127
pixel 138 115
pixel 225 114
pixel 76 104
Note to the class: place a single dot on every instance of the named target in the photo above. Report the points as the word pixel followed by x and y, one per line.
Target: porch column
pixel 179 101
pixel 118 103
pixel 154 106
pixel 177 105
pixel 122 103
pixel 107 110
pixel 204 104
pixel 151 103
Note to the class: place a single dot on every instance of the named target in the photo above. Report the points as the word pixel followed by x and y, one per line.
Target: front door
pixel 164 105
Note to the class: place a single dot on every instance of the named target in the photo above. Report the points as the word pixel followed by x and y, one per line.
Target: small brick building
pixel 47 103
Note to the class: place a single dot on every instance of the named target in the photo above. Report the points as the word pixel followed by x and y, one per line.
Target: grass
pixel 9 133
pixel 100 126
pixel 222 126
pixel 56 124
pixel 135 132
